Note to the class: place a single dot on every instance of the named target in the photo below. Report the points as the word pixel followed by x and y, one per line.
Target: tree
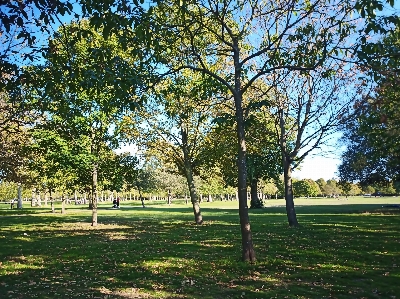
pixel 368 189
pixel 311 106
pixel 262 160
pixel 306 187
pixel 332 188
pixel 321 184
pixel 177 124
pixel 85 86
pixel 372 153
pixel 269 188
pixel 286 39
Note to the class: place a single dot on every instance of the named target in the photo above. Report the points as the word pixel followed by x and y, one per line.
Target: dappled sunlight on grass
pixel 158 252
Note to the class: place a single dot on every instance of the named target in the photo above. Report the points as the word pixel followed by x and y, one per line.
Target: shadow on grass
pixel 158 253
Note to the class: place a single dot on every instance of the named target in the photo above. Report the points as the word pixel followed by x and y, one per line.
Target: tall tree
pixel 309 107
pixel 306 187
pixel 372 154
pixel 253 39
pixel 85 85
pixel 177 123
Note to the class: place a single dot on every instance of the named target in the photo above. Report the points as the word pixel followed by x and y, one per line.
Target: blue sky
pixel 315 167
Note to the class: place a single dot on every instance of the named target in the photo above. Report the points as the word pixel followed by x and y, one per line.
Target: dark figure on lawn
pixel 117 202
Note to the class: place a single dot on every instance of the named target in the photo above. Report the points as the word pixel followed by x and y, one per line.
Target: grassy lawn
pixel 344 249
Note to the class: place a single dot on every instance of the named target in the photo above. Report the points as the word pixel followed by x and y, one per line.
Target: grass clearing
pixel 344 249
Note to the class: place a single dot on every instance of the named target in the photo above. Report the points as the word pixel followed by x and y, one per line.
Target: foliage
pixel 306 187
pixel 9 190
pixel 368 189
pixel 269 187
pixel 83 88
pixel 263 156
pixel 349 188
pixel 331 188
pixel 372 155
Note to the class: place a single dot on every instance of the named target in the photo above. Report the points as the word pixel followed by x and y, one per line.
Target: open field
pixel 344 249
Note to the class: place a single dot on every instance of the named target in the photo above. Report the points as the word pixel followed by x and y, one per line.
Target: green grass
pixel 344 249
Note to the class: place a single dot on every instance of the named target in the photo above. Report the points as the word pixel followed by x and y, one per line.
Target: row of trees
pixel 241 90
pixel 161 185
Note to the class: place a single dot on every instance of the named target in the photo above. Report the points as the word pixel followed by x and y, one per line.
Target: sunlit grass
pixel 344 249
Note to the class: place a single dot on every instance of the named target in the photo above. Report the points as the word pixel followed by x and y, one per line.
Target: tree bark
pixel 19 203
pixel 248 253
pixel 38 199
pixel 62 204
pixel 33 197
pixel 141 198
pixel 169 200
pixel 198 218
pixel 290 210
pixel 51 201
pixel 94 195
pixel 255 202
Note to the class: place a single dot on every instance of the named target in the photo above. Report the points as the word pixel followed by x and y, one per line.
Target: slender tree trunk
pixel 62 204
pixel 169 197
pixel 209 199
pixel 290 210
pixel 19 204
pixel 255 202
pixel 51 201
pixel 38 199
pixel 141 198
pixel 198 218
pixel 287 172
pixel 91 199
pixel 248 253
pixel 94 195
pixel 33 198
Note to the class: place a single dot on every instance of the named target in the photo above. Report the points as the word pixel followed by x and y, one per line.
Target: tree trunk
pixel 198 218
pixel 62 204
pixel 33 198
pixel 51 201
pixel 169 197
pixel 290 210
pixel 255 202
pixel 94 195
pixel 141 198
pixel 19 204
pixel 38 199
pixel 209 198
pixel 248 253
pixel 91 198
